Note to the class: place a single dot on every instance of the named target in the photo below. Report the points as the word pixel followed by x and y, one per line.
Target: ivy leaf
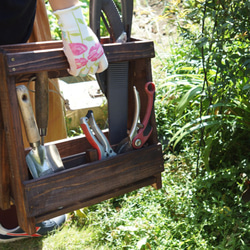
pixel 235 56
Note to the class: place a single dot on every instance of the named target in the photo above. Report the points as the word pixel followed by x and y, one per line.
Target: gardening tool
pixel 42 103
pixel 41 160
pixel 126 144
pixel 115 29
pixel 114 81
pixel 100 142
pixel 127 16
pixel 139 132
pixel 145 129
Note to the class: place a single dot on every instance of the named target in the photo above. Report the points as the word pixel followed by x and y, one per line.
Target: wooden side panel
pixel 4 169
pixel 98 199
pixel 12 127
pixel 91 180
pixel 72 146
pixel 25 47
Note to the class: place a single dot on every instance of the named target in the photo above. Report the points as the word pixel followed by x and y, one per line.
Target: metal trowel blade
pixel 38 162
pixel 54 157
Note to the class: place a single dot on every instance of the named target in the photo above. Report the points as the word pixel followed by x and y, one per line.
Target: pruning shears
pixel 139 132
pixel 99 141
pixel 145 128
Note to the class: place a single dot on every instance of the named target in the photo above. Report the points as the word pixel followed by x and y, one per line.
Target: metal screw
pixel 13 69
pixel 138 143
pixel 12 59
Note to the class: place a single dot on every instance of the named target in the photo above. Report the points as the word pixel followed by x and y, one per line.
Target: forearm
pixel 62 4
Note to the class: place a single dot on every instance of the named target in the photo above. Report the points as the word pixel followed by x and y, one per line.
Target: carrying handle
pixel 27 114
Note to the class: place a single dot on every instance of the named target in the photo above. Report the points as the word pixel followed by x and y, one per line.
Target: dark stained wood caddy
pixel 84 182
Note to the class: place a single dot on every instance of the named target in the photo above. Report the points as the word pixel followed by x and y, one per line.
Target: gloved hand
pixel 81 46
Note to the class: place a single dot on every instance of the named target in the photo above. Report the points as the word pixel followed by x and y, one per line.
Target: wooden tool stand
pixel 84 182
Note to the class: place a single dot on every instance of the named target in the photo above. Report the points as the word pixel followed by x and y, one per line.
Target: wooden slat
pixel 36 61
pixel 12 126
pixel 94 200
pixel 72 146
pixel 4 169
pixel 91 180
pixel 24 47
pixel 53 59
pixel 129 51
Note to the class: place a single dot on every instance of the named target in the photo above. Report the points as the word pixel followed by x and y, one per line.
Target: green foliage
pixel 55 30
pixel 219 41
pixel 202 110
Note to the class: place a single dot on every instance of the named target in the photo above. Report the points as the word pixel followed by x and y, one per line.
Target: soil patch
pixel 150 22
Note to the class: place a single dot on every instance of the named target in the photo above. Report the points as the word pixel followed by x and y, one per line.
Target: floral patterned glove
pixel 81 46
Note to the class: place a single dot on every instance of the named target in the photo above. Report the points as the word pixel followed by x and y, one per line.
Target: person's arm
pixel 62 4
pixel 81 46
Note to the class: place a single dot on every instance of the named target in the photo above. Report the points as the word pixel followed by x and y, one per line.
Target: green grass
pixel 205 212
pixel 143 219
pixel 196 208
pixel 69 237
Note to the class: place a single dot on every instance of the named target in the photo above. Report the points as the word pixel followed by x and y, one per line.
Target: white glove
pixel 81 46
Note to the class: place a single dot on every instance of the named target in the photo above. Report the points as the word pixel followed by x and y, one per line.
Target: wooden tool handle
pixel 27 114
pixel 42 101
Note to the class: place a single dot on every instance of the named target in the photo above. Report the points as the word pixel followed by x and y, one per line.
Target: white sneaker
pixel 8 235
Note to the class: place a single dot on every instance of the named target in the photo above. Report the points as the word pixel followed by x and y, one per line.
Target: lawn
pixel 202 110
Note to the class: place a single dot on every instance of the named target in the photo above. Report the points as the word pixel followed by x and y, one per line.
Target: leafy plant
pixel 202 111
pixel 55 30
pixel 220 45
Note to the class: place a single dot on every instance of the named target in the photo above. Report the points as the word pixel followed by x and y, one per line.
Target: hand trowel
pixel 41 160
